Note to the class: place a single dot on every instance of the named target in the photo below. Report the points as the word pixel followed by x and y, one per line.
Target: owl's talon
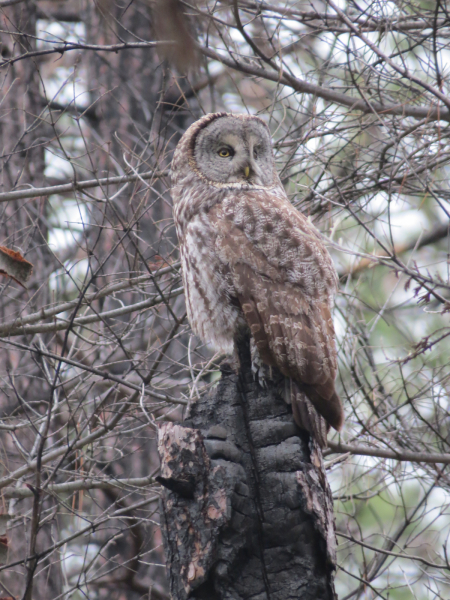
pixel 226 367
pixel 261 381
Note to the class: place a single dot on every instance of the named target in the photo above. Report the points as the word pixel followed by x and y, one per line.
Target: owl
pixel 251 262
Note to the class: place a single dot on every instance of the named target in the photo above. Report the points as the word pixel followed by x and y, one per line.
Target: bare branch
pixel 400 455
pixel 79 186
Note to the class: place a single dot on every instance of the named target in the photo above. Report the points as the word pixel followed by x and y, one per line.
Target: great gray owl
pixel 251 260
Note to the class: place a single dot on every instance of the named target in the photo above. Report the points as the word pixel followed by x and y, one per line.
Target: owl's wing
pixel 300 344
pixel 284 288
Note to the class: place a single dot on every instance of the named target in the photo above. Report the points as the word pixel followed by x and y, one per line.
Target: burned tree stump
pixel 246 511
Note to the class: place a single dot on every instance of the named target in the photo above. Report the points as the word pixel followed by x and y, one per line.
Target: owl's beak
pixel 247 171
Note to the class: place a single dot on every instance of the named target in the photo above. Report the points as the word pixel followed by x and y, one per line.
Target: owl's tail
pixel 306 416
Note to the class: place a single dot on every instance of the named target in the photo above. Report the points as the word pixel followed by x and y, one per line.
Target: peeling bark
pixel 246 511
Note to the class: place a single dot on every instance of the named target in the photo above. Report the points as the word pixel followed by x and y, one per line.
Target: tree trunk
pixel 24 130
pixel 246 510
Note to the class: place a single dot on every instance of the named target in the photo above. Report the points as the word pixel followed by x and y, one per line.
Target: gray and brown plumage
pixel 251 260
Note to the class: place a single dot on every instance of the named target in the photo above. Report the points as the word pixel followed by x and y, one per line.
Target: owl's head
pixel 232 149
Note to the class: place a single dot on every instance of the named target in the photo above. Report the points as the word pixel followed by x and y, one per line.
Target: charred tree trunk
pixel 246 510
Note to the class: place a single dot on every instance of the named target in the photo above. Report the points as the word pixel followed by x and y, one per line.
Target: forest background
pixel 96 351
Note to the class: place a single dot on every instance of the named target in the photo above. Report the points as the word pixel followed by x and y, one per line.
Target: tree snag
pixel 246 509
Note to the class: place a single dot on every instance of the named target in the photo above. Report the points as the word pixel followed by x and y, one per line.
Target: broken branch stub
pixel 14 265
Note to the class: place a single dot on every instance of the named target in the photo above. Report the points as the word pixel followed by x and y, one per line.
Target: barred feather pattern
pixel 251 260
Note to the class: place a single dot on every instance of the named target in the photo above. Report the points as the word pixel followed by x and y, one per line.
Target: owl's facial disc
pixel 232 150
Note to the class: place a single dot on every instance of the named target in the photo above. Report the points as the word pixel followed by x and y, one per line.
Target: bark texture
pixel 246 511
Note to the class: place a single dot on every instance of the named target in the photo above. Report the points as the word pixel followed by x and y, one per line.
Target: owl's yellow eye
pixel 224 153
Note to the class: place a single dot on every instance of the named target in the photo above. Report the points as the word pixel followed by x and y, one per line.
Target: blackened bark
pixel 246 510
